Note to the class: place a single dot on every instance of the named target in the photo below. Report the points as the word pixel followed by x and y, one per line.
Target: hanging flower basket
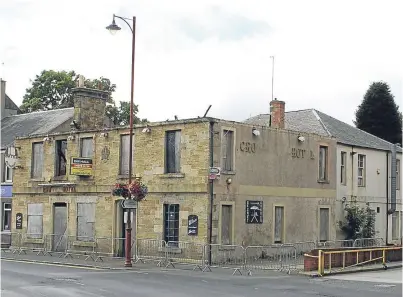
pixel 138 190
pixel 121 190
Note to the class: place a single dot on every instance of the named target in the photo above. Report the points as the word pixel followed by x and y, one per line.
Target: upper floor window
pixel 86 150
pixel 397 174
pixel 228 150
pixel 37 160
pixel 343 169
pixel 361 170
pixel 61 160
pixel 323 157
pixel 172 151
pixel 7 172
pixel 124 154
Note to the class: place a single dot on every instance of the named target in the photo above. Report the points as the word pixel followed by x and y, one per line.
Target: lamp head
pixel 113 28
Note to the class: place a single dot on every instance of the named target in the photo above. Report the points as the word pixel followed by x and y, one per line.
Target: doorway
pixel 59 241
pixel 120 238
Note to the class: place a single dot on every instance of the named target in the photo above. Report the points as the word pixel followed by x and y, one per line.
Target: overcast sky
pixel 190 54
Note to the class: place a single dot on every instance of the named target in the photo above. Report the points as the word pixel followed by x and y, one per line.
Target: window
pixel 343 161
pixel 7 172
pixel 397 174
pixel 86 147
pixel 124 154
pixel 3 165
pixel 361 170
pixel 323 176
pixel 85 221
pixel 172 151
pixel 226 224
pixel 395 225
pixel 61 161
pixel 228 150
pixel 171 224
pixel 37 160
pixel 278 224
pixel 6 224
pixel 35 220
pixel 324 224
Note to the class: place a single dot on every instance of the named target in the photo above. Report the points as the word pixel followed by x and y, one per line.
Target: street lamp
pixel 113 28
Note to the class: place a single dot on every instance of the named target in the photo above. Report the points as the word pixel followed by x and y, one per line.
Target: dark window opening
pixel 171 224
pixel 61 160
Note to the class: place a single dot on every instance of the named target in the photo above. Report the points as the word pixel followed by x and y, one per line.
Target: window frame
pixel 29 235
pixel 328 223
pixel 395 225
pixel 398 181
pixel 168 228
pixel 122 136
pixel 323 164
pixel 91 140
pixel 232 222
pixel 59 142
pixel 83 237
pixel 6 209
pixel 363 169
pixel 177 154
pixel 282 230
pixel 224 150
pixel 343 168
pixel 33 159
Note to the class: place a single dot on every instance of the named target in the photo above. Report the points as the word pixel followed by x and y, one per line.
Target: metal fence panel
pixel 151 250
pixel 226 256
pixel 185 253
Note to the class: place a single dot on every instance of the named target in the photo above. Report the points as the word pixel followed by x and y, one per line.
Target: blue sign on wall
pixel 7 191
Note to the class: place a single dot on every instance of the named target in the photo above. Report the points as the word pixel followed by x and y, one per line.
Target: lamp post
pixel 113 28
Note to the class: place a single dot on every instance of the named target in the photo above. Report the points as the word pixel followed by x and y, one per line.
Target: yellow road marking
pixel 53 264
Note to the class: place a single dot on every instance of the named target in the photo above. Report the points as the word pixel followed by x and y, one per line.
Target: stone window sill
pixel 84 243
pixel 33 179
pixel 172 175
pixel 225 172
pixel 321 181
pixel 35 240
pixel 61 177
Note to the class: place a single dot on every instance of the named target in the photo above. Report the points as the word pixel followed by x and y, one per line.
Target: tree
pixel 359 222
pixel 379 115
pixel 53 90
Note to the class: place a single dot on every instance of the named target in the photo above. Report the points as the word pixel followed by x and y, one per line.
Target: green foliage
pixel 53 90
pixel 359 222
pixel 379 115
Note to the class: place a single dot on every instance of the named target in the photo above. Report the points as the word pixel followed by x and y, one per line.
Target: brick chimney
pixel 89 107
pixel 277 113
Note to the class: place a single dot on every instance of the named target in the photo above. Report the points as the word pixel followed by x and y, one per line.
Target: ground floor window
pixel 396 225
pixel 278 224
pixel 324 224
pixel 6 222
pixel 86 221
pixel 171 223
pixel 35 220
pixel 226 224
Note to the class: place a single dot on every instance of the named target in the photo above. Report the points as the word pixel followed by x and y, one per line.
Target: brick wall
pixel 311 262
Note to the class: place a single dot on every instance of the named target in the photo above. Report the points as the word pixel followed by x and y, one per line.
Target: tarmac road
pixel 19 279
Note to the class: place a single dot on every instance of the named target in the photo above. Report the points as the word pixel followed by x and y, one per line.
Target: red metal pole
pixel 128 241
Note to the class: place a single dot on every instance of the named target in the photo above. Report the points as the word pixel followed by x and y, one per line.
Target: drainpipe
pixel 211 190
pixel 387 198
pixel 352 172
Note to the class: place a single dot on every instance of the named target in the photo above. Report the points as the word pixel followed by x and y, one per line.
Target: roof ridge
pixel 315 113
pixel 41 111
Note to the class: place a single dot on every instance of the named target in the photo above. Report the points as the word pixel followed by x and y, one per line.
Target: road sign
pixel 18 221
pixel 129 203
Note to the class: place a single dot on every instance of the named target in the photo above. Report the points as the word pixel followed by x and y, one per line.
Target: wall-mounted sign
pixel 193 225
pixel 301 153
pixel 6 191
pixel 81 166
pixel 10 157
pixel 254 212
pixel 214 173
pixel 247 147
pixel 129 203
pixel 18 221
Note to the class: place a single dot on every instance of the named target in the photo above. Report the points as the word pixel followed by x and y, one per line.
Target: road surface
pixel 19 279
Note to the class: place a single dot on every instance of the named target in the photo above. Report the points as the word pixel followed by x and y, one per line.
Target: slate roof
pixel 33 123
pixel 316 122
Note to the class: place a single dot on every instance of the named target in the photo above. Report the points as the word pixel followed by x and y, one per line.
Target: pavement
pixel 23 279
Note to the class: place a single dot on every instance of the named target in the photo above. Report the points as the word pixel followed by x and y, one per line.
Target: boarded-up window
pixel 172 151
pixel 343 160
pixel 85 221
pixel 278 224
pixel 86 147
pixel 228 150
pixel 323 175
pixel 171 223
pixel 226 224
pixel 324 224
pixel 124 154
pixel 395 225
pixel 37 160
pixel 35 220
pixel 61 161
